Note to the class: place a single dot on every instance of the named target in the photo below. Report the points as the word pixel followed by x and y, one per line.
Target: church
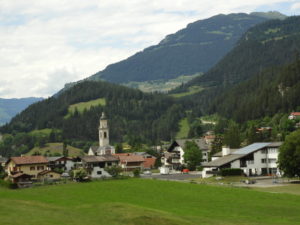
pixel 104 147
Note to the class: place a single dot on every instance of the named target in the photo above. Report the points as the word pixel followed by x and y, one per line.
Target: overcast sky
pixel 47 43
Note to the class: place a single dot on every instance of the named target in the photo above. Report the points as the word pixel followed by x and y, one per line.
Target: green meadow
pixel 145 202
pixel 81 106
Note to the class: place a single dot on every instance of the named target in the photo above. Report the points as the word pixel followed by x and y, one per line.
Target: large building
pixel 254 159
pixel 104 147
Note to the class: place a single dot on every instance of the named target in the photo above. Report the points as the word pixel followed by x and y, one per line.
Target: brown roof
pixel 99 158
pixel 295 113
pixel 23 160
pixel 130 158
pixel 149 162
pixel 17 175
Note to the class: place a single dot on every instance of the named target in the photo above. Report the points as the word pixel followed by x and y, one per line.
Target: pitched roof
pixel 219 154
pixel 97 149
pixel 99 158
pixel 201 143
pixel 149 162
pixel 252 148
pixel 124 158
pixel 23 160
pixel 223 160
pixel 18 175
pixel 295 113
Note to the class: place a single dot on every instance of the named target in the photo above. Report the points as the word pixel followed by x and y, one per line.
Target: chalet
pixel 60 163
pixel 95 165
pixel 104 148
pixel 149 162
pixel 28 165
pixel 130 162
pixel 294 115
pixel 254 159
pixel 174 159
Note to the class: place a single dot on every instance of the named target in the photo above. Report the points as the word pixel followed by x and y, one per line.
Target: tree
pixel 232 136
pixel 289 155
pixel 65 149
pixel 192 155
pixel 114 171
pixel 79 174
pixel 216 145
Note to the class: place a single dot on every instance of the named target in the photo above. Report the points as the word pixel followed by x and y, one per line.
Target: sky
pixel 45 44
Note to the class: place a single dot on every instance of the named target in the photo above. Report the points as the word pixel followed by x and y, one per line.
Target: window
pixel 272 160
pixel 263 160
pixel 264 151
pixel 51 175
pixel 99 172
pixel 272 150
pixel 105 135
pixel 32 168
pixel 40 167
pixel 250 162
pixel 109 164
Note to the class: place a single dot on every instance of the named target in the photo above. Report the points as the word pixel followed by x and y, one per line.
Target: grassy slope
pixel 138 201
pixel 184 129
pixel 56 148
pixel 81 106
pixel 191 90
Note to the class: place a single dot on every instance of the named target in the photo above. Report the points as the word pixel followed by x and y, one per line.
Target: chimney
pixel 225 150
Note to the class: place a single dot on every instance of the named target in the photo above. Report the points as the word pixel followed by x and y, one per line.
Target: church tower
pixel 103 131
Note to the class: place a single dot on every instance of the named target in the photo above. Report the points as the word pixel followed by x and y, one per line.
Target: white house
pixel 95 165
pixel 174 157
pixel 294 115
pixel 104 148
pixel 254 159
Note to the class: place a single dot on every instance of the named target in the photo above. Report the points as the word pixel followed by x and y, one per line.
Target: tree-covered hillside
pixel 133 115
pixel 191 50
pixel 10 107
pixel 275 90
pixel 274 42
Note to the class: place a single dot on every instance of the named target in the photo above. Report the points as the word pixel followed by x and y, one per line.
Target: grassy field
pixel 184 129
pixel 85 105
pixel 52 148
pixel 146 202
pixel 192 90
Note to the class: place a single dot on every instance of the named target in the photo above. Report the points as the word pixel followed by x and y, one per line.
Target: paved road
pixel 172 176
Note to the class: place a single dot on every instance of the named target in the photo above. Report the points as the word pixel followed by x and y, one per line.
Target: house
pixel 130 162
pixel 255 159
pixel 149 162
pixel 104 147
pixel 49 175
pixel 95 165
pixel 294 115
pixel 60 163
pixel 28 165
pixel 174 157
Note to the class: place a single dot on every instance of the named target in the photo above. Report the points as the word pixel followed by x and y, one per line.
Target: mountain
pixel 133 115
pixel 274 90
pixel 192 50
pixel 275 42
pixel 10 107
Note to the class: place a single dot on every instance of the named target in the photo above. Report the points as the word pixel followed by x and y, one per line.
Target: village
pixel 102 161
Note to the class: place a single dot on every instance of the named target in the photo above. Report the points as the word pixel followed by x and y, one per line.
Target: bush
pixel 136 173
pixel 8 184
pixel 114 171
pixel 231 172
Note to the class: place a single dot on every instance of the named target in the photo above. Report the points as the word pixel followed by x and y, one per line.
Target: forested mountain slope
pixel 275 90
pixel 274 42
pixel 132 114
pixel 191 50
pixel 10 107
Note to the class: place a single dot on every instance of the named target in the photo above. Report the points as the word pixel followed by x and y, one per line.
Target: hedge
pixel 231 172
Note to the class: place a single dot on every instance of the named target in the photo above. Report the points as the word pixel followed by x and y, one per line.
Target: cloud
pixel 45 44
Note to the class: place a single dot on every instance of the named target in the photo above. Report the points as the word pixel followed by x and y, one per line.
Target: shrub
pixel 136 173
pixel 231 172
pixel 114 171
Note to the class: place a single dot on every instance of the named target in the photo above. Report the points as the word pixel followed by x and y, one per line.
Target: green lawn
pixel 52 148
pixel 192 90
pixel 81 106
pixel 141 201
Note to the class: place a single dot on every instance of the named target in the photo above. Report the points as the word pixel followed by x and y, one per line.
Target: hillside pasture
pixel 81 106
pixel 146 202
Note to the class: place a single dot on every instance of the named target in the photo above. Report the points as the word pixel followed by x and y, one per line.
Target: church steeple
pixel 103 131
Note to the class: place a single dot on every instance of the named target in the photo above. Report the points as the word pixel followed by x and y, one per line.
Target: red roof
pixel 149 163
pixel 23 160
pixel 295 114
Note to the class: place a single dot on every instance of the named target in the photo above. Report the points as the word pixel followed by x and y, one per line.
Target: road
pixel 177 176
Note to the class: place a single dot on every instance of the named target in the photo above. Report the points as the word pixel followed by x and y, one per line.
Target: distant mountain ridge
pixel 194 49
pixel 10 107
